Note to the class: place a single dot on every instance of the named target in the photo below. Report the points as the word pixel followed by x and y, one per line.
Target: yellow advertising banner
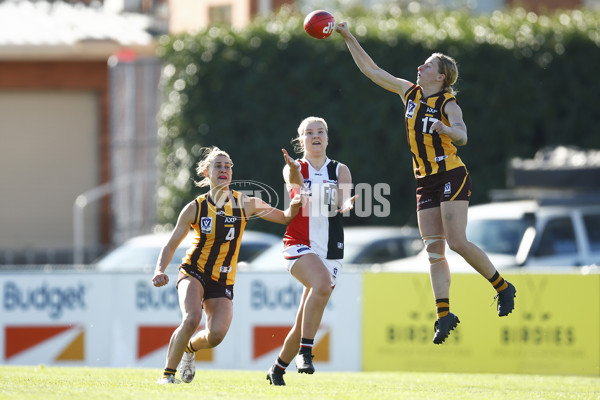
pixel 554 329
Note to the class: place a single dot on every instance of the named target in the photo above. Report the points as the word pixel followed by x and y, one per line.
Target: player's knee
pixel 457 246
pixel 436 258
pixel 215 338
pixel 322 289
pixel 191 321
pixel 435 246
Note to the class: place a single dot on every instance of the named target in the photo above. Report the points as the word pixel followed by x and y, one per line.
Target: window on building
pixel 219 15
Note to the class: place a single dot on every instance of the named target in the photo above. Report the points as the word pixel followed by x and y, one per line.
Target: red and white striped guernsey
pixel 318 224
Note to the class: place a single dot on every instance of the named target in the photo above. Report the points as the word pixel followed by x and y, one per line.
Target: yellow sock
pixel 190 348
pixel 498 282
pixel 443 307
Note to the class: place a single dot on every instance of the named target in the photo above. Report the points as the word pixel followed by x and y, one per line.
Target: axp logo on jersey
pixel 230 220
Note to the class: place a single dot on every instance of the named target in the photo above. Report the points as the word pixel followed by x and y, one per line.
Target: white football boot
pixel 188 367
pixel 167 379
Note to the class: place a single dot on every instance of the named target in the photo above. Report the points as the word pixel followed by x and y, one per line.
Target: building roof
pixel 45 29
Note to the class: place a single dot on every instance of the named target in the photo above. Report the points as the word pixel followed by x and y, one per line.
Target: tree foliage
pixel 526 81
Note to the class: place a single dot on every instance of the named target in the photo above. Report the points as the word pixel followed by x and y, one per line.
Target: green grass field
pixel 111 383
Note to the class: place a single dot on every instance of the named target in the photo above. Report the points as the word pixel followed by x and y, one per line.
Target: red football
pixel 319 24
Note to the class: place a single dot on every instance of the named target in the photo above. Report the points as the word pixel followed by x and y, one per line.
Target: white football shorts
pixel 293 253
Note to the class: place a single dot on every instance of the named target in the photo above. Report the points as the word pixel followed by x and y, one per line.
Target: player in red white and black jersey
pixel 434 125
pixel 314 240
pixel 207 273
pixel 318 225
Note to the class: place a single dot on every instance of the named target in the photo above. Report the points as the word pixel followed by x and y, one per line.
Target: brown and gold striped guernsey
pixel 219 232
pixel 431 152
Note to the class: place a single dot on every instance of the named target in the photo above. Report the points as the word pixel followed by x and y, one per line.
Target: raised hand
pixel 348 205
pixel 289 160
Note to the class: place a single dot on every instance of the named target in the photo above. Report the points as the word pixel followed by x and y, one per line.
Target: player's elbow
pixel 369 71
pixel 460 141
pixel 287 218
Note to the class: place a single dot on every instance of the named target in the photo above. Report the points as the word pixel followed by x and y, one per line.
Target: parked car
pixel 363 247
pixel 141 252
pixel 526 233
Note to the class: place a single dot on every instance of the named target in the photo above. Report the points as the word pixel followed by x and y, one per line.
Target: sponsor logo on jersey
pixel 301 249
pixel 230 220
pixel 340 245
pixel 225 269
pixel 440 158
pixel 431 110
pixel 410 109
pixel 206 225
pixel 306 189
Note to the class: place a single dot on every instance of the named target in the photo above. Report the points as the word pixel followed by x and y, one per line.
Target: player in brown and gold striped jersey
pixel 434 126
pixel 207 273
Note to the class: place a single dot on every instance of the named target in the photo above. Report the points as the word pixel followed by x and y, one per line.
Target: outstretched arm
pixel 293 177
pixel 368 67
pixel 184 223
pixel 254 205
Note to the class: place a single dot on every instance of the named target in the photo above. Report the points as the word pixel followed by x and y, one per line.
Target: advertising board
pixel 122 320
pixel 554 329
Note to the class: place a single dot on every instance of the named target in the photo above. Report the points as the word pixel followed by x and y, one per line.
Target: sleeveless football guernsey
pixel 219 230
pixel 431 152
pixel 318 224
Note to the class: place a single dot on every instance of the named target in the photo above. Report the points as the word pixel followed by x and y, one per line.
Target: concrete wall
pixel 48 156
